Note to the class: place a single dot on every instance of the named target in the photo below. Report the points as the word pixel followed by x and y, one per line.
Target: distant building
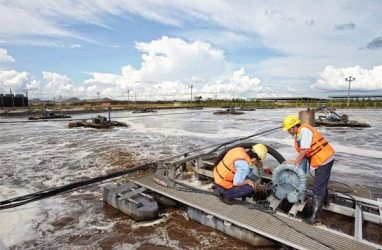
pixel 11 100
pixel 286 99
pixel 355 97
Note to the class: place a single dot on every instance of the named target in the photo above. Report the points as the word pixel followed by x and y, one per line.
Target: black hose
pixel 247 145
pixel 18 201
pixel 243 138
pixel 302 232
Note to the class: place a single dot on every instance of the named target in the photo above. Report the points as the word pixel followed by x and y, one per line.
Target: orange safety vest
pixel 225 170
pixel 320 150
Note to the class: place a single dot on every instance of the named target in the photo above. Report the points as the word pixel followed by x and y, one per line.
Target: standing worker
pixel 231 174
pixel 310 144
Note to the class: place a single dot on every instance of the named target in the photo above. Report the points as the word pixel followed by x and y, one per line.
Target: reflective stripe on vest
pixel 225 170
pixel 320 150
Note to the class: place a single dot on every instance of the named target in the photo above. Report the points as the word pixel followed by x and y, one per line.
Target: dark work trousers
pixel 234 192
pixel 321 178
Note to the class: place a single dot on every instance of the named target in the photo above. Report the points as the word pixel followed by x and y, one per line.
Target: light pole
pixel 191 86
pixel 97 98
pixel 128 91
pixel 349 79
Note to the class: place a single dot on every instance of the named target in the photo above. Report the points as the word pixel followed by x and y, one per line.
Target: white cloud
pixel 161 58
pixel 57 85
pixel 226 39
pixel 174 58
pixel 19 15
pixel 11 79
pixel 101 79
pixel 299 41
pixel 5 57
pixel 155 80
pixel 168 66
pixel 292 28
pixel 75 46
pixel 333 79
pixel 33 87
pixel 239 85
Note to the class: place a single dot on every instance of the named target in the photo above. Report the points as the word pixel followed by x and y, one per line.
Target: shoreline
pixel 22 112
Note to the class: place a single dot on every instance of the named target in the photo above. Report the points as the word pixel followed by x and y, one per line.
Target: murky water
pixel 40 155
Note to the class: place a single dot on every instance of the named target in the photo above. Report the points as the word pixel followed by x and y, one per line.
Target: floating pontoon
pixel 257 221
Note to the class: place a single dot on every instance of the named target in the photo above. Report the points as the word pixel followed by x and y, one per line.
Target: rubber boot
pixel 315 218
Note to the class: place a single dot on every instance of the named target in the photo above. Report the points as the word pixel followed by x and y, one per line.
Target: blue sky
pixel 155 50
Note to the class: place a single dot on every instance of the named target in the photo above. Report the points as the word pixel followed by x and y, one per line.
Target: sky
pixel 178 50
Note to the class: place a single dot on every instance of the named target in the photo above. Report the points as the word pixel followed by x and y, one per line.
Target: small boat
pixel 229 111
pixel 243 108
pixel 99 122
pixel 48 115
pixel 144 110
pixel 195 108
pixel 336 120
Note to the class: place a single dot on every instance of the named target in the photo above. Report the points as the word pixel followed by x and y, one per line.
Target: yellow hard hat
pixel 261 150
pixel 290 121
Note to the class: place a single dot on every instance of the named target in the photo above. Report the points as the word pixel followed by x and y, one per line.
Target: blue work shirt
pixel 242 170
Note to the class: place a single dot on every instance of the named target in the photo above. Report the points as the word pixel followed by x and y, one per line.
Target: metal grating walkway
pixel 257 221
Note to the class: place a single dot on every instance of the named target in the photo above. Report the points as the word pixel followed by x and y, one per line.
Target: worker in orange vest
pixel 236 174
pixel 311 145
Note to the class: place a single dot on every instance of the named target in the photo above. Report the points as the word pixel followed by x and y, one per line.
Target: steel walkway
pixel 280 228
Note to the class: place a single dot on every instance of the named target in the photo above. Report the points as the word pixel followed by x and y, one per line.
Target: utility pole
pixel 349 79
pixel 191 86
pixel 128 91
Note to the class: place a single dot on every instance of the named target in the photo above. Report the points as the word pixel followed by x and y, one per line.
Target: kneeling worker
pixel 231 174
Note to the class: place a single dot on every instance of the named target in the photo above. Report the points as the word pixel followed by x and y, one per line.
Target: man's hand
pixel 249 182
pixel 291 162
pixel 300 157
